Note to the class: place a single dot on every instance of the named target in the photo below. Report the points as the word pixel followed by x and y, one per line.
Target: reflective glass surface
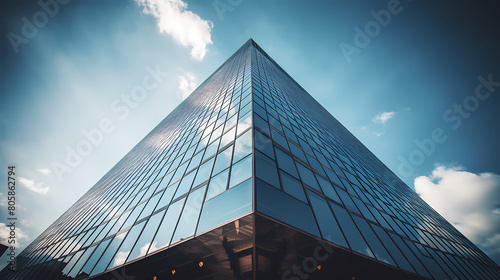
pixel 292 186
pixel 251 129
pixel 283 207
pixel 167 226
pixel 227 206
pixel 327 222
pixel 189 218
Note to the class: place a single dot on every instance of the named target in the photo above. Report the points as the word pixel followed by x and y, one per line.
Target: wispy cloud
pixel 120 258
pixel 5 233
pixel 26 223
pixel 376 133
pixel 186 27
pixel 467 200
pixel 45 171
pixel 144 250
pixel 33 186
pixel 382 118
pixel 187 84
pixel 154 247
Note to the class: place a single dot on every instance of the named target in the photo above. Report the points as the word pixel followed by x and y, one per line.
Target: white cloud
pixel 376 133
pixel 187 28
pixel 26 223
pixel 187 84
pixel 120 258
pixel 144 250
pixel 36 187
pixel 383 117
pixel 469 201
pixel 5 233
pixel 44 171
pixel 154 247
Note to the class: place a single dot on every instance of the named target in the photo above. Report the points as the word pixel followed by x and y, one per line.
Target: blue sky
pixel 415 82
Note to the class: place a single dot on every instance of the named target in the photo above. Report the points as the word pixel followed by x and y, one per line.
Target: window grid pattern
pixel 325 173
pixel 193 172
pixel 193 161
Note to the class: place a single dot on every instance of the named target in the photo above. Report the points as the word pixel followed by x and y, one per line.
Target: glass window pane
pixel 223 160
pixel 81 261
pixel 327 222
pixel 217 133
pixel 264 144
pixel 241 171
pixel 333 177
pixel 259 110
pixel 328 189
pixel 195 161
pixel 293 186
pixel 167 196
pixel 243 146
pixel 377 247
pixel 228 137
pixel 265 169
pixel 286 163
pixel 150 206
pixel 290 134
pixel 95 257
pixel 185 184
pixel 118 224
pixel 280 139
pixel 315 165
pixel 352 234
pixel 307 176
pixel 133 216
pixel 296 151
pixel 179 172
pixel 167 226
pixel 126 246
pixel 230 123
pixel 379 217
pixel 70 265
pixel 190 214
pixel 218 184
pixel 244 110
pixel 109 253
pixel 203 172
pixel 233 203
pixel 392 248
pixel 105 231
pixel 261 124
pixel 211 149
pixel 346 198
pixel 361 206
pixel 285 208
pixel 409 255
pixel 244 123
pixel 142 245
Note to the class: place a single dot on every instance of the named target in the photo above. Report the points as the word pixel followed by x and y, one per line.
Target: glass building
pixel 251 178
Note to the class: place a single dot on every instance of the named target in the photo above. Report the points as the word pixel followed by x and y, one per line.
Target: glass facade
pixel 247 156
